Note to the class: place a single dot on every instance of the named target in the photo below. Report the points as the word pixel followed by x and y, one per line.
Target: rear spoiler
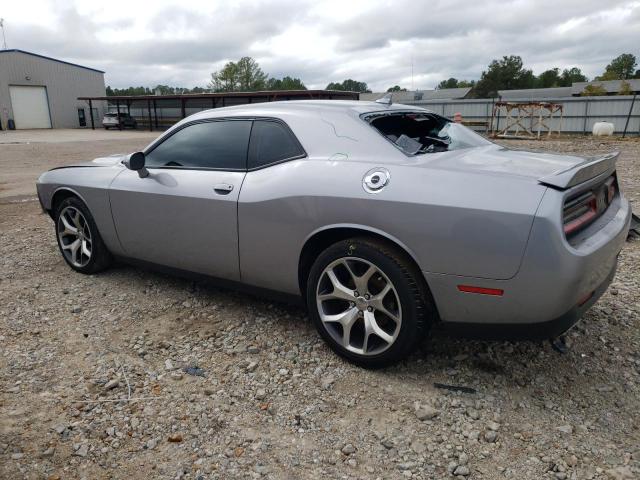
pixel 591 167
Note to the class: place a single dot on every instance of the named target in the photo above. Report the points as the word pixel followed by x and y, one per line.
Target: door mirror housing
pixel 135 161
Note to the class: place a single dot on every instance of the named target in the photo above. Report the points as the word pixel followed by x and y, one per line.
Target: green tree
pixel 571 75
pixel 349 86
pixel 285 83
pixel 593 90
pixel 199 90
pixel 250 76
pixel 505 74
pixel 127 91
pixel 455 83
pixel 621 68
pixel 225 80
pixel 449 83
pixel 396 88
pixel 549 78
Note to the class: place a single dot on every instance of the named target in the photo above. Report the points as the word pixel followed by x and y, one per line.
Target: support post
pixel 93 126
pixel 183 107
pixel 118 110
pixel 149 112
pixel 626 124
pixel 586 117
pixel 155 112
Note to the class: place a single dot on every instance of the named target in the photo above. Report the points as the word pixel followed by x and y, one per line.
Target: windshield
pixel 417 133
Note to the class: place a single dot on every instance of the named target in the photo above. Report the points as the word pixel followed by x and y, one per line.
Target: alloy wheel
pixel 74 236
pixel 359 306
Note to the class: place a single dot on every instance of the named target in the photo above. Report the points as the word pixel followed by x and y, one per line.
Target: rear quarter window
pixel 272 142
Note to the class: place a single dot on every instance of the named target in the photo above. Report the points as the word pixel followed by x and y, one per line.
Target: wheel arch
pixel 61 194
pixel 323 237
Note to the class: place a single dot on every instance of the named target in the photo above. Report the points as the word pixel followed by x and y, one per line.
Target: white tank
pixel 602 129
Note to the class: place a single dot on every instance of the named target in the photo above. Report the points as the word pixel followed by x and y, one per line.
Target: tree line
pixel 507 73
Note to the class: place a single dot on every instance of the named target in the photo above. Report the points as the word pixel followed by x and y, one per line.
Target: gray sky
pixel 181 42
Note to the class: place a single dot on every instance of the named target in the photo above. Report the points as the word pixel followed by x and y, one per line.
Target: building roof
pixel 611 86
pixel 536 93
pixel 446 93
pixel 15 50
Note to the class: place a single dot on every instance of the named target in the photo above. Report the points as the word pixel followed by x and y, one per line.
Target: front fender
pixel 89 184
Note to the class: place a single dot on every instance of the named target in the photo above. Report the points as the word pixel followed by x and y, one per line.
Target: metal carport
pixel 148 106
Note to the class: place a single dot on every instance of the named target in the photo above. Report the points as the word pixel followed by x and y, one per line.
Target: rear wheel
pixel 368 302
pixel 78 237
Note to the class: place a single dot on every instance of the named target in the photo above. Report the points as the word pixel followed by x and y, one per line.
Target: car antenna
pixel 386 100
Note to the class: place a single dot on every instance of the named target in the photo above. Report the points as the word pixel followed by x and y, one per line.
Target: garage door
pixel 30 107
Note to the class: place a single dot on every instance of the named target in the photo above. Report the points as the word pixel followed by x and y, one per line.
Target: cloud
pixel 375 41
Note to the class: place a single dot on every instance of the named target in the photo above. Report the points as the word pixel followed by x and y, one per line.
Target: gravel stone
pixel 348 449
pixel 426 412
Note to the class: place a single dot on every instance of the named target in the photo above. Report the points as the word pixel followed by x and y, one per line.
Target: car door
pixel 184 213
pixel 266 209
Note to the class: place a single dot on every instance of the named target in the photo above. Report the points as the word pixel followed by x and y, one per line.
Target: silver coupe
pixel 386 219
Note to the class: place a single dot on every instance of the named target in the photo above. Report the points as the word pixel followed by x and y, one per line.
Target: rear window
pixel 417 133
pixel 110 115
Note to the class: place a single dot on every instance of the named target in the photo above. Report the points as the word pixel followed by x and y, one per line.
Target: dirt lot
pixel 25 154
pixel 269 399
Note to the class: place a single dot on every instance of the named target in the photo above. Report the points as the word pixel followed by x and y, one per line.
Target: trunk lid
pixel 549 169
pixel 494 159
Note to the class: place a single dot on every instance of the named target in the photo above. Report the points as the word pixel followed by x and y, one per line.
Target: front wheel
pixel 368 302
pixel 78 237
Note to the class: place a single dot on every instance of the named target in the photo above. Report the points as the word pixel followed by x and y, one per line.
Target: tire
pixel 401 317
pixel 86 232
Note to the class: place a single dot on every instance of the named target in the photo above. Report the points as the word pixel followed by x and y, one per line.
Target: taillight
pixel 611 189
pixel 583 209
pixel 579 212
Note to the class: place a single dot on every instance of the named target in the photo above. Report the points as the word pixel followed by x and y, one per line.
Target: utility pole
pixel 4 39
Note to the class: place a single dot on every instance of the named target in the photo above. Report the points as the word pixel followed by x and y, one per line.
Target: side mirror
pixel 135 161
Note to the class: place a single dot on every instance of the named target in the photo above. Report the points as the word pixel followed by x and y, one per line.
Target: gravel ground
pixel 131 374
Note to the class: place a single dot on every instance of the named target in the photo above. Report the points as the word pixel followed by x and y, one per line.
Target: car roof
pixel 300 106
pixel 323 127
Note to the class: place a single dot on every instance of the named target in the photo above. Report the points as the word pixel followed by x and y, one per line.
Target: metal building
pixel 42 92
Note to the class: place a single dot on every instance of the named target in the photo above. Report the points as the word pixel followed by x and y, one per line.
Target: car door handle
pixel 223 188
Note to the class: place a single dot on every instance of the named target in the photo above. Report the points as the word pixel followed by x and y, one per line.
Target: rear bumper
pixel 534 331
pixel 546 296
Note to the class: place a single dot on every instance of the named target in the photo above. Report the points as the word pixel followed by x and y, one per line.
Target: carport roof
pixel 16 50
pixel 274 94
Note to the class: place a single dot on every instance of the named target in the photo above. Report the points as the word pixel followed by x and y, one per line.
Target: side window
pixel 219 144
pixel 271 142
